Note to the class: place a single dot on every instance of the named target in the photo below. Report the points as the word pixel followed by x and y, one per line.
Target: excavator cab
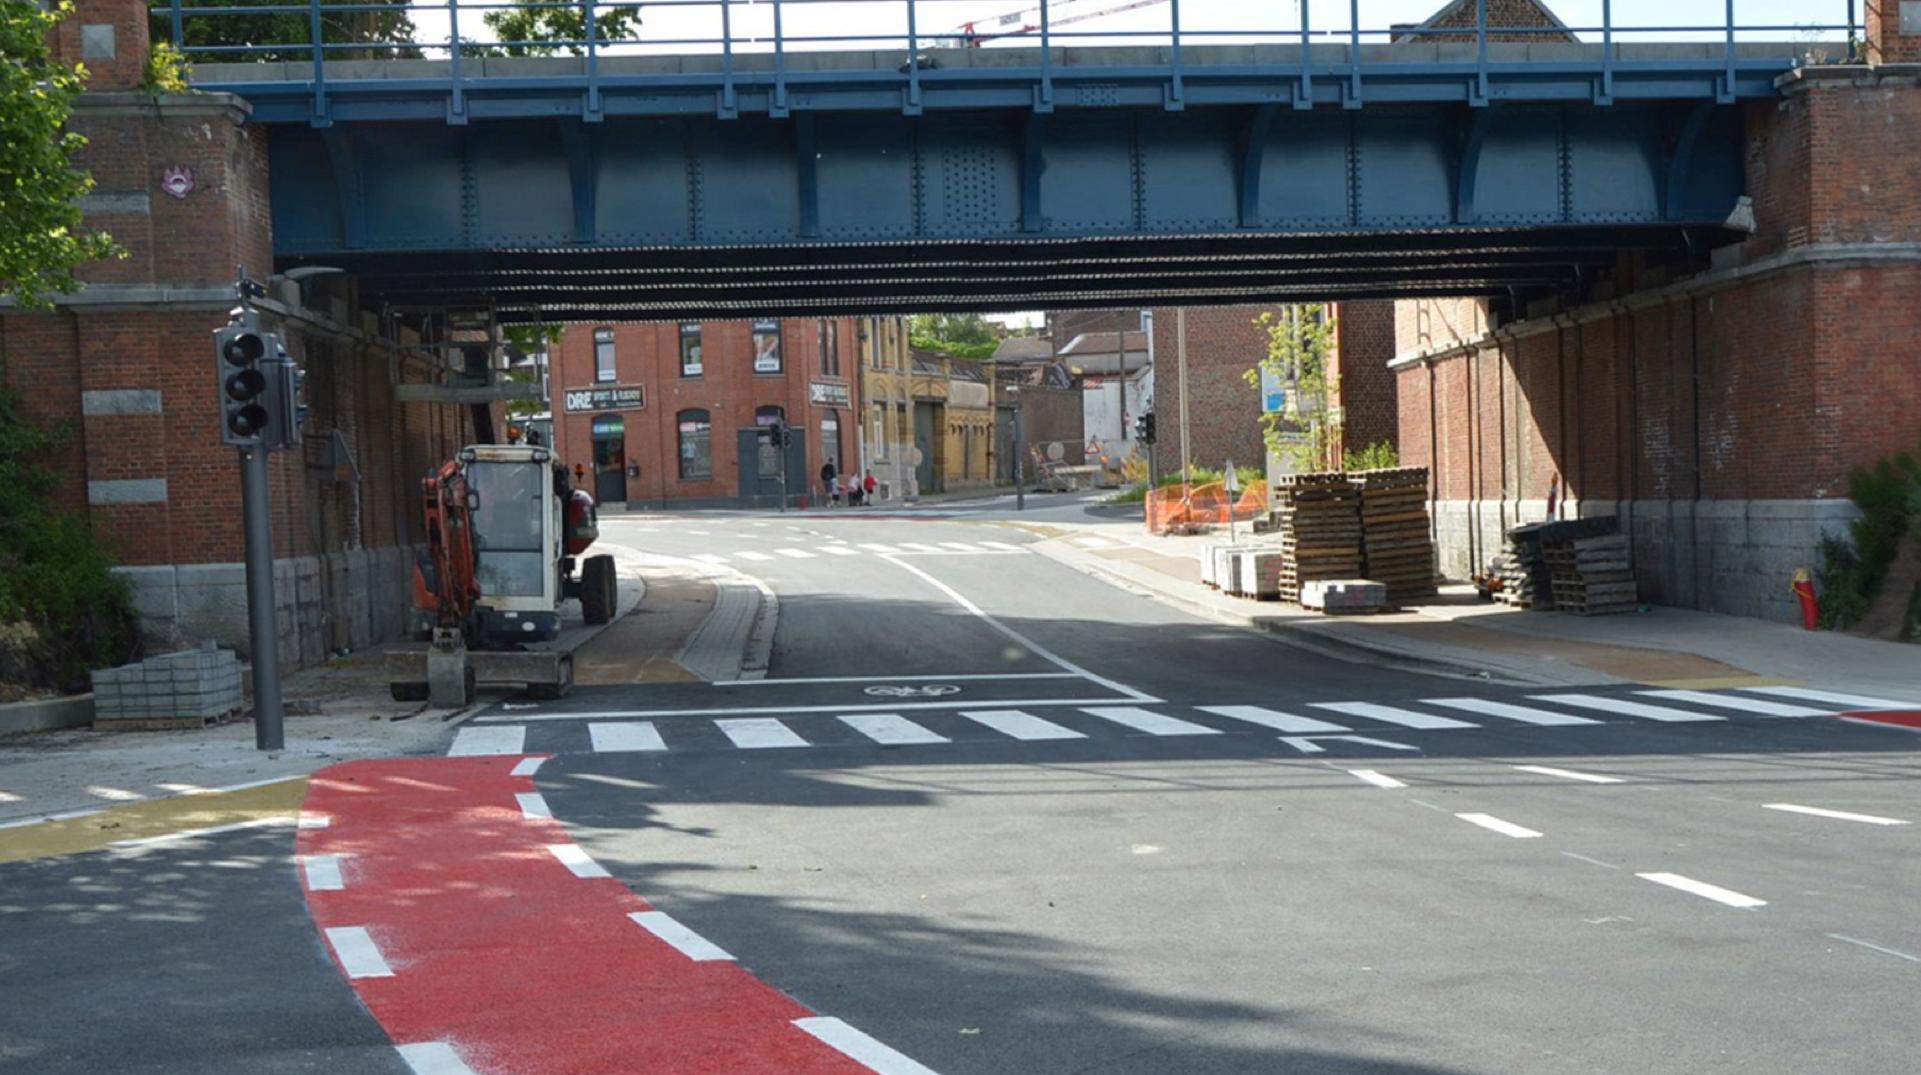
pixel 517 538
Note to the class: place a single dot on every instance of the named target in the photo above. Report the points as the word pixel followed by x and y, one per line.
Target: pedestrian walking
pixel 854 491
pixel 867 486
pixel 828 485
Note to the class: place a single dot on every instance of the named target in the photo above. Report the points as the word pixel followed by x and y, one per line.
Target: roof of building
pixel 1095 352
pixel 1461 13
pixel 1024 349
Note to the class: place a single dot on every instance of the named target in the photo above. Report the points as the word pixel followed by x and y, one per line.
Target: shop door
pixel 924 434
pixel 610 460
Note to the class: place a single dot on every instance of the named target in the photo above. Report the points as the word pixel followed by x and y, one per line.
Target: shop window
pixel 604 367
pixel 829 349
pixel 690 364
pixel 696 445
pixel 767 346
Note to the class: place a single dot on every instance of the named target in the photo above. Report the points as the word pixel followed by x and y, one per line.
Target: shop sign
pixel 828 395
pixel 617 397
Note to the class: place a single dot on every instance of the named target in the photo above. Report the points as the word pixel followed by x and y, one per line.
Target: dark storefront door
pixel 926 415
pixel 610 460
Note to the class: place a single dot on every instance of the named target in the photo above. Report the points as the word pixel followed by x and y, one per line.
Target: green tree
pixel 526 24
pixel 1298 338
pixel 384 23
pixel 952 329
pixel 40 238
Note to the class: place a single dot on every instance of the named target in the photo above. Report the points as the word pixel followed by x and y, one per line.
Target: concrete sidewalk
pixel 1458 634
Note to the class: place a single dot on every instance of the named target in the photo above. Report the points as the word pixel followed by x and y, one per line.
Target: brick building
pixel 1361 388
pixel 660 413
pixel 1716 407
pixel 1465 15
pixel 1222 344
pixel 127 366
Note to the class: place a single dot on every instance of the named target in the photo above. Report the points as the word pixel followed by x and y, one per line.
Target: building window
pixel 696 445
pixel 830 439
pixel 829 349
pixel 877 443
pixel 690 349
pixel 767 346
pixel 604 369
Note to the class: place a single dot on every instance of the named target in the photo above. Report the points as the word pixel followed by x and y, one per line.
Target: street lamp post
pixel 1020 485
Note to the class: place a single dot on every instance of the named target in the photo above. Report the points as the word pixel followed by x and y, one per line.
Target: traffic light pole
pixel 269 716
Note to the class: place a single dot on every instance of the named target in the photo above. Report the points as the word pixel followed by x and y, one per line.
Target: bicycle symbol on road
pixel 932 690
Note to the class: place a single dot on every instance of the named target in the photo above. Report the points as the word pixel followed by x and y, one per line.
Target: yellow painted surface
pixel 157 817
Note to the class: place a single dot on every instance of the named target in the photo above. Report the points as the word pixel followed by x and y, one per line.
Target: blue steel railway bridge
pixel 883 167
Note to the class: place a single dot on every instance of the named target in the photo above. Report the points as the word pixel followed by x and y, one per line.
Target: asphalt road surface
pixel 988 814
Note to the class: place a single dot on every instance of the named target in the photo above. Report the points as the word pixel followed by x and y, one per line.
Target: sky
pixel 689 25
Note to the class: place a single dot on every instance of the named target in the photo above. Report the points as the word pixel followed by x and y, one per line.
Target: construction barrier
pixel 1187 509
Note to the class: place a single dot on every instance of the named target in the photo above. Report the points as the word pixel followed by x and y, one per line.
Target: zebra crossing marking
pixel 1268 718
pixel 1858 701
pixel 1406 718
pixel 1757 706
pixel 750 554
pixel 1524 714
pixel 759 733
pixel 838 550
pixel 481 742
pixel 797 554
pixel 1627 707
pixel 1020 725
pixel 621 738
pixel 891 729
pixel 1145 720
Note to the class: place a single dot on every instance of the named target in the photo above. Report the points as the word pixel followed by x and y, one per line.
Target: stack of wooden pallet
pixel 1523 571
pixel 1399 551
pixel 1591 575
pixel 1319 522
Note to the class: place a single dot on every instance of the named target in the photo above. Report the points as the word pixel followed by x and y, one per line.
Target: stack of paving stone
pixel 189 689
pixel 1525 581
pixel 1397 547
pixel 1319 517
pixel 1591 575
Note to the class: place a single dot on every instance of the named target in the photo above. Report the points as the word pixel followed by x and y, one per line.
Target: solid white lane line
pixel 1524 713
pixel 532 804
pixel 433 1058
pixel 839 550
pixel 1838 815
pixel 890 728
pixel 752 555
pixel 916 546
pixel 710 558
pixel 759 733
pixel 871 547
pixel 1269 718
pixel 1626 707
pixel 1378 779
pixel 1021 725
pixel 1407 718
pixel 1853 701
pixel 686 941
pixel 1755 706
pixel 1875 947
pixel 1703 889
pixel 323 873
pixel 577 861
pixel 796 554
pixel 358 954
pixel 807 682
pixel 1004 546
pixel 796 710
pixel 475 742
pixel 1026 643
pixel 624 737
pixel 860 1048
pixel 527 767
pixel 1145 721
pixel 210 830
pixel 1569 774
pixel 1495 824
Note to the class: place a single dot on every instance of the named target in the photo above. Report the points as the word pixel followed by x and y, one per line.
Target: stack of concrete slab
pixel 1344 595
pixel 1397 546
pixel 1319 517
pixel 1260 574
pixel 189 689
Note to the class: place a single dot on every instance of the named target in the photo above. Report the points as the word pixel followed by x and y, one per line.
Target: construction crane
pixel 978 32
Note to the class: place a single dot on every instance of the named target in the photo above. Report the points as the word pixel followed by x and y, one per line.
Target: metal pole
pixel 1020 452
pixel 1180 361
pixel 263 630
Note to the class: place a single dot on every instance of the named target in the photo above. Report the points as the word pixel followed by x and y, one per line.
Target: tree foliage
pixel 537 24
pixel 1298 338
pixel 63 611
pixel 40 238
pixel 961 335
pixel 1853 569
pixel 384 26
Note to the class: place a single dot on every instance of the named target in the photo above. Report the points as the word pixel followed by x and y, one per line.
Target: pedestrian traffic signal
pixel 240 352
pixel 1144 428
pixel 777 434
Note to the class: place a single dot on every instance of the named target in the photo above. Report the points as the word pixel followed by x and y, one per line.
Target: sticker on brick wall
pixel 177 181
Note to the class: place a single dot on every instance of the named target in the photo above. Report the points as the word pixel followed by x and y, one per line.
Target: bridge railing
pixel 1328 38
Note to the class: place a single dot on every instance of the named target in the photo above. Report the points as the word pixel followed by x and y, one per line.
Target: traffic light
pixel 241 351
pixel 777 434
pixel 1144 428
pixel 260 387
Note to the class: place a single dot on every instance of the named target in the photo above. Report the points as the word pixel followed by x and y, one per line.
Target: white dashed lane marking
pixel 686 941
pixel 358 954
pixel 1569 774
pixel 1703 890
pixel 1495 824
pixel 1837 815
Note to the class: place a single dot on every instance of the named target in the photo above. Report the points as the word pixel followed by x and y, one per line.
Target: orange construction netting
pixel 1187 508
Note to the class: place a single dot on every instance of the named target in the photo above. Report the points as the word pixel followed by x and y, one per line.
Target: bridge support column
pixel 1894 31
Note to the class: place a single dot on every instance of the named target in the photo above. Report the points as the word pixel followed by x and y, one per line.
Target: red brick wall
pixel 1223 343
pixel 1362 385
pixel 648 354
pixel 1465 15
pixel 1886 43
